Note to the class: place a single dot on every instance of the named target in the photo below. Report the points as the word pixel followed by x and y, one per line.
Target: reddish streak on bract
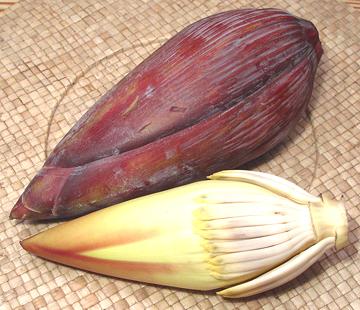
pixel 95 264
pixel 113 239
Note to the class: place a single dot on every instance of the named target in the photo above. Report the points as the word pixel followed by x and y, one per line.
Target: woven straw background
pixel 58 57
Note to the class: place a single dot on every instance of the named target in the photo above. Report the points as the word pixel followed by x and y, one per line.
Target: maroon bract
pixel 221 92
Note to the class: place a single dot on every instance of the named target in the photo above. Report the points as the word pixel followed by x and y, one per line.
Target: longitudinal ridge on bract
pixel 171 97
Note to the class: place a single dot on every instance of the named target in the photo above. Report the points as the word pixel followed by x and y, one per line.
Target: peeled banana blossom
pixel 240 233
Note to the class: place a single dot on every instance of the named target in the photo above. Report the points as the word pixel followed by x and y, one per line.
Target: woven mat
pixel 58 57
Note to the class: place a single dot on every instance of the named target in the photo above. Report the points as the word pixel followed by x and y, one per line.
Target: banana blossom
pixel 239 233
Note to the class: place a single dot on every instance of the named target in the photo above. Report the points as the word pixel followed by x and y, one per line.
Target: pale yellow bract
pixel 240 233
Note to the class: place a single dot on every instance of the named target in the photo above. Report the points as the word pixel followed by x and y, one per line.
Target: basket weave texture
pixel 58 57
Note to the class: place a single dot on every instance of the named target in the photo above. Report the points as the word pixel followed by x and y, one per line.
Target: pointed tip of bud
pixel 26 245
pixel 19 211
pixel 31 246
pixel 23 244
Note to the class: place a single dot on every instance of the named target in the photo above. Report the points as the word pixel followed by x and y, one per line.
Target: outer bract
pixel 221 92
